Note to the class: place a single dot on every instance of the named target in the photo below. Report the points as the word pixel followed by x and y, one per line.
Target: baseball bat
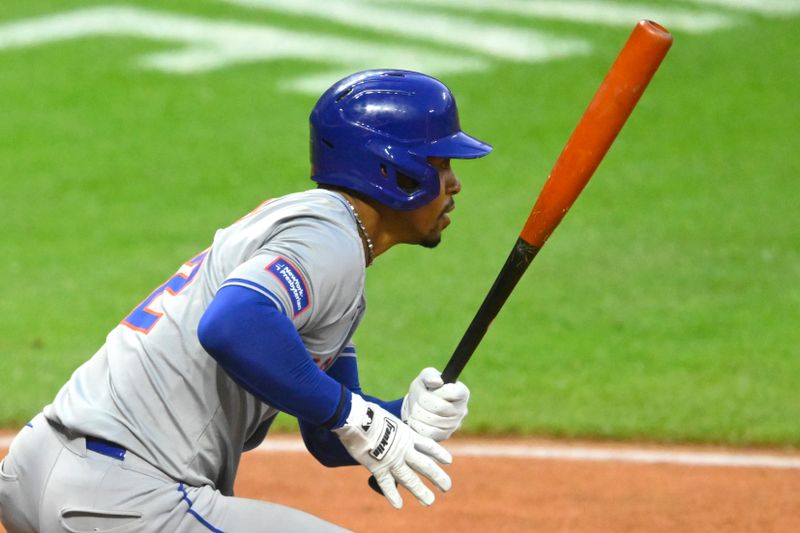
pixel 610 107
pixel 598 127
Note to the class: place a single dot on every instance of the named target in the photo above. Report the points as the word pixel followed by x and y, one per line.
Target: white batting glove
pixel 393 452
pixel 432 408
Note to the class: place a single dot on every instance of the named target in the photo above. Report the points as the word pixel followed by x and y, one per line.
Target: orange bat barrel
pixel 597 129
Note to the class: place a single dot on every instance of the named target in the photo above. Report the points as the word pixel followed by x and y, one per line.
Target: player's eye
pixel 442 163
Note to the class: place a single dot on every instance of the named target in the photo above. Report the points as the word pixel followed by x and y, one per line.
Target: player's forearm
pixel 325 446
pixel 261 350
pixel 321 442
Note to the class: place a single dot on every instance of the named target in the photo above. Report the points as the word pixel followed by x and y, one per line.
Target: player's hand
pixel 435 409
pixel 393 452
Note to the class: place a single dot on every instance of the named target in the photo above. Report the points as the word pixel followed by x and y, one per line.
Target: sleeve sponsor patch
pixel 292 281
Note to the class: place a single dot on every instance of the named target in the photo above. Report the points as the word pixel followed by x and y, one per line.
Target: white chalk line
pixel 572 453
pixel 587 453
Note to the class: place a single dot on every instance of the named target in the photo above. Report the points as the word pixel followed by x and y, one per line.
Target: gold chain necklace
pixel 363 231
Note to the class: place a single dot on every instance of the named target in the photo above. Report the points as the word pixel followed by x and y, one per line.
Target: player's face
pixel 431 219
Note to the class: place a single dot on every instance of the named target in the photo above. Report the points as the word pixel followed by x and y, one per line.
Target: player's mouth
pixel 448 208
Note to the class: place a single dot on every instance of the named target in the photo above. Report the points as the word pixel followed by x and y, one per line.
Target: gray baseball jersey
pixel 152 388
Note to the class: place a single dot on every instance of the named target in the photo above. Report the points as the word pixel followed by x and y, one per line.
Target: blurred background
pixel 664 308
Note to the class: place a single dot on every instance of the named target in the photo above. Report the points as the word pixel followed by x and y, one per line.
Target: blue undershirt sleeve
pixel 321 442
pixel 259 347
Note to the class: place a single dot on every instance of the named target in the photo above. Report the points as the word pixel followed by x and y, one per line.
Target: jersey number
pixel 142 318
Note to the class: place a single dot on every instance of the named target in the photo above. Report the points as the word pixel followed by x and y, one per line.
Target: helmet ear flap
pixel 408 178
pixel 399 179
pixel 406 183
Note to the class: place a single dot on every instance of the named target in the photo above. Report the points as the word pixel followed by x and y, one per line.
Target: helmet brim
pixel 456 146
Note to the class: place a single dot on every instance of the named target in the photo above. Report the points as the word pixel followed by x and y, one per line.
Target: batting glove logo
pixel 387 438
pixel 367 422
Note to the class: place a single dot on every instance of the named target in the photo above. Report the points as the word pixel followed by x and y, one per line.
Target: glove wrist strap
pixel 342 410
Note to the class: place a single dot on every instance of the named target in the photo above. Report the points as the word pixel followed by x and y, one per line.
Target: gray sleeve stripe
pixel 258 288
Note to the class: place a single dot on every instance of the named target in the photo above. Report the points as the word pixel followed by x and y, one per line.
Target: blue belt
pixel 104 447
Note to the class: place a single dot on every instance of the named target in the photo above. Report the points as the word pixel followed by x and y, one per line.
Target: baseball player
pixel 148 433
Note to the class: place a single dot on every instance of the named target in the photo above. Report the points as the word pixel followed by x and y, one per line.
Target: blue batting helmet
pixel 373 131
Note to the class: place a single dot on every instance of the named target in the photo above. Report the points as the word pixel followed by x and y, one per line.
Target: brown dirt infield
pixel 503 494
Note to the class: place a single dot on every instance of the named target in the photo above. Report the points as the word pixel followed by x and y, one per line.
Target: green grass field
pixel 666 306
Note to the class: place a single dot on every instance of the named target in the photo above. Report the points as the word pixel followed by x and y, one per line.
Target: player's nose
pixel 453 184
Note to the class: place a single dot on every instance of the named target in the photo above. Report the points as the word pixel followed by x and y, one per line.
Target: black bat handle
pixel 517 263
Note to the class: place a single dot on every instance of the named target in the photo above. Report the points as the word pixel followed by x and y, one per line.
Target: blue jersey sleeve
pixel 259 347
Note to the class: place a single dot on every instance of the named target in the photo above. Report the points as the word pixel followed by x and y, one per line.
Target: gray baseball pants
pixel 51 482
